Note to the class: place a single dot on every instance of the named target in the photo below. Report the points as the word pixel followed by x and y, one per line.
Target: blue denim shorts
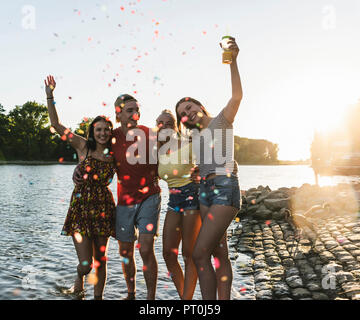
pixel 221 190
pixel 184 198
pixel 141 218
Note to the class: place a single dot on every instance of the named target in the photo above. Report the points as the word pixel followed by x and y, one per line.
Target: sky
pixel 299 60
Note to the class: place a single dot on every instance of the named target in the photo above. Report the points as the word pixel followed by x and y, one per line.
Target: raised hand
pixel 50 85
pixel 233 47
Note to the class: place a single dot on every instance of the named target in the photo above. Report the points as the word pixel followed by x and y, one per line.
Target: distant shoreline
pixel 39 162
pixel 35 162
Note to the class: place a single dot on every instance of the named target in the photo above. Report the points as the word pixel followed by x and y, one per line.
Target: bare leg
pixel 191 224
pixel 100 249
pixel 126 250
pixel 150 267
pixel 211 232
pixel 171 241
pixel 84 252
pixel 224 274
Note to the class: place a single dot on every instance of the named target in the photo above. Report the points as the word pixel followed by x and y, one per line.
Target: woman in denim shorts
pixel 182 221
pixel 219 191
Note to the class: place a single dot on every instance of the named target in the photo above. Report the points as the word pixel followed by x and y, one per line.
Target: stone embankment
pixel 297 243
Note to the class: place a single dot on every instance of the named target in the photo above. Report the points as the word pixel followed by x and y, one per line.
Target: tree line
pixel 25 134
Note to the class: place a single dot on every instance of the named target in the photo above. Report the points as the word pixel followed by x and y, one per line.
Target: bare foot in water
pixel 78 288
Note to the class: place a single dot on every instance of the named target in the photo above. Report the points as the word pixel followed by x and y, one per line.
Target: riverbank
pixel 298 243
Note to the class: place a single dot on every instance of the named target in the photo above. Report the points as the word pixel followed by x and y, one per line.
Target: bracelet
pixel 50 98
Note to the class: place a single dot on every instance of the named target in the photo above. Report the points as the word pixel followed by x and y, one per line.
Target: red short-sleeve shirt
pixel 136 181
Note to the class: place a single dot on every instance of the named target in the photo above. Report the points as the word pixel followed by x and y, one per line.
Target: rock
pixel 284 254
pixel 277 204
pixel 313 286
pixel 319 296
pixel 289 262
pixel 343 276
pixel 354 238
pixel 300 293
pixel 351 289
pixel 252 208
pixel 330 244
pixel 243 260
pixel 294 281
pixel 292 272
pixel 326 256
pixel 262 276
pixel 273 260
pixel 264 295
pixel 281 289
pixel 264 285
pixel 262 213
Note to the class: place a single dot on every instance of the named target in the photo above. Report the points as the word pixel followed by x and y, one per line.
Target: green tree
pixel 254 151
pixel 4 133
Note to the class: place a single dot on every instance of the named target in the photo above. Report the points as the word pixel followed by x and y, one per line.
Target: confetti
pixel 78 237
pixel 144 268
pixel 103 248
pixel 92 279
pixel 95 264
pixel 144 190
pixel 61 160
pixel 210 216
pixel 184 119
pixel 216 263
pixel 224 278
pixel 149 227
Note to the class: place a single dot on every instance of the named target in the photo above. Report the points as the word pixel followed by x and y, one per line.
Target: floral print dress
pixel 92 206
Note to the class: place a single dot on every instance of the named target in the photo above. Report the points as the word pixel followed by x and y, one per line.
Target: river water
pixel 38 263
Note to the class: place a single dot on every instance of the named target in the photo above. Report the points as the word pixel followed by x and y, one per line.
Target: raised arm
pixel 232 107
pixel 76 141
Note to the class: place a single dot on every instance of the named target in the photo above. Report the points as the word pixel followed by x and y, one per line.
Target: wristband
pixel 50 98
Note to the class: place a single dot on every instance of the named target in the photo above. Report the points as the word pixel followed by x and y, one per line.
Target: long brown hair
pixel 91 143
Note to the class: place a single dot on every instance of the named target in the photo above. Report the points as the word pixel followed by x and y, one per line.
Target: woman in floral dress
pixel 90 219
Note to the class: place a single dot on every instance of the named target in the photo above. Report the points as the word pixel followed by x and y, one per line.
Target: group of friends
pixel 204 195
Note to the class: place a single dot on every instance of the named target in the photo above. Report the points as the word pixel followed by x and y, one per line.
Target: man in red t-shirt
pixel 139 200
pixel 138 192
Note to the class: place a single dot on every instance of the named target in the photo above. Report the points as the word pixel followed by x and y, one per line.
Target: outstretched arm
pixel 76 141
pixel 232 107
